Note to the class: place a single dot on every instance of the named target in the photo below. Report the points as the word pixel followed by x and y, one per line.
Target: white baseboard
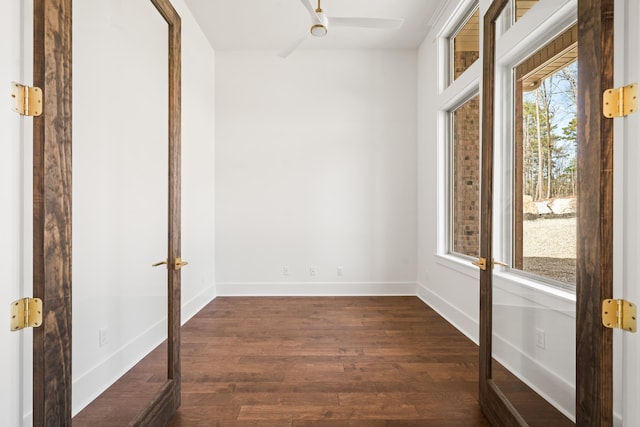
pixel 553 388
pixel 197 303
pixel 458 318
pixel 95 381
pixel 316 288
pixel 559 393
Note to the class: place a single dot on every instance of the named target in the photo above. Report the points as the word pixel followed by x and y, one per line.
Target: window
pixel 523 6
pixel 513 13
pixel 465 178
pixel 460 118
pixel 465 44
pixel 544 241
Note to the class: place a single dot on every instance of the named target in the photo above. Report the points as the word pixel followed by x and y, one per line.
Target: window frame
pixel 461 21
pixel 510 51
pixel 504 160
pixel 452 94
pixel 461 100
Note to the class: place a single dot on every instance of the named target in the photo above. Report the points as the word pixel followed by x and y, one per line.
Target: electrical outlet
pixel 540 338
pixel 285 270
pixel 312 271
pixel 103 337
pixel 339 271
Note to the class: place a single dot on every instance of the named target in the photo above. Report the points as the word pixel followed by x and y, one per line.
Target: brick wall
pixel 463 60
pixel 466 178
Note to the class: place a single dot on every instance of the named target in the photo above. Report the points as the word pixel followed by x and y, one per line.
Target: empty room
pixel 320 213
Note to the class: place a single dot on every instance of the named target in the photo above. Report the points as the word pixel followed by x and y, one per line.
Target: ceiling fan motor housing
pixel 320 24
pixel 318 30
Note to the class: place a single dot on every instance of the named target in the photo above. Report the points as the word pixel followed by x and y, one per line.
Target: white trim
pixel 316 288
pixel 561 394
pixel 463 87
pixel 451 95
pixel 555 298
pixel 459 264
pixel 536 28
pixel 458 318
pixel 446 30
pixel 109 370
pixel 197 303
pixel 27 419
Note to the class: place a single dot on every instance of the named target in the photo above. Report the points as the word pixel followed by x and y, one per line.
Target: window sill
pixel 458 263
pixel 537 292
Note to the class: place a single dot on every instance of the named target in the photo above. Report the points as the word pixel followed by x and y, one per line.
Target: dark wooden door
pixel 52 170
pixel 594 263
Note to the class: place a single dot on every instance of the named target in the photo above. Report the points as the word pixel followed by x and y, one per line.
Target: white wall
pixel 627 199
pixel 315 167
pixel 120 181
pixel 198 165
pixel 11 212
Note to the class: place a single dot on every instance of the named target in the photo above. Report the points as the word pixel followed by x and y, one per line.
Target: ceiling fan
pixel 320 24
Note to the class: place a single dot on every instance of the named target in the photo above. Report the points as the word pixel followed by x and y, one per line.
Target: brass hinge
pixel 27 100
pixel 26 313
pixel 618 313
pixel 620 101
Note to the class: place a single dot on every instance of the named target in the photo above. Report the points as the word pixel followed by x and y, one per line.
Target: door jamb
pixel 594 279
pixel 52 213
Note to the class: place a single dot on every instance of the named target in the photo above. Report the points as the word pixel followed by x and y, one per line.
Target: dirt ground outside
pixel 549 248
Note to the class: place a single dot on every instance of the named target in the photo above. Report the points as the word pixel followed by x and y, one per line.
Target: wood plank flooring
pixel 317 362
pixel 339 361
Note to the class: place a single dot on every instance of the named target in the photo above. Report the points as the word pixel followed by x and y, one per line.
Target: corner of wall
pixel 459 319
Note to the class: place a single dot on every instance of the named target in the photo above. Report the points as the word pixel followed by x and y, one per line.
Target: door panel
pixel 146 203
pixel 120 197
pixel 521 327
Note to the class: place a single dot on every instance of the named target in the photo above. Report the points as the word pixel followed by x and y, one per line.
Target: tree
pixel 549 158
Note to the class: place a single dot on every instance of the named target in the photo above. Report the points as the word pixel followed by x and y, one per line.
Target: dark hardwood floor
pixel 310 361
pixel 343 361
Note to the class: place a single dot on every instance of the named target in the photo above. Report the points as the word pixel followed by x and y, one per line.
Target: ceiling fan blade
pixel 289 50
pixel 312 11
pixel 389 23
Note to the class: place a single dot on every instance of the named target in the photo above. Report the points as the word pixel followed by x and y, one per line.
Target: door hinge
pixel 27 100
pixel 618 313
pixel 620 101
pixel 26 313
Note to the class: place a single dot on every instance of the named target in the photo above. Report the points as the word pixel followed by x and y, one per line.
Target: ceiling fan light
pixel 318 30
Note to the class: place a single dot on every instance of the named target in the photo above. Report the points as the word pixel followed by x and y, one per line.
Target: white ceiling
pixel 275 24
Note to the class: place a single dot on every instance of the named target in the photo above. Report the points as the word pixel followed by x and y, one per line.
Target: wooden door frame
pixel 594 269
pixel 594 278
pixel 52 221
pixel 493 402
